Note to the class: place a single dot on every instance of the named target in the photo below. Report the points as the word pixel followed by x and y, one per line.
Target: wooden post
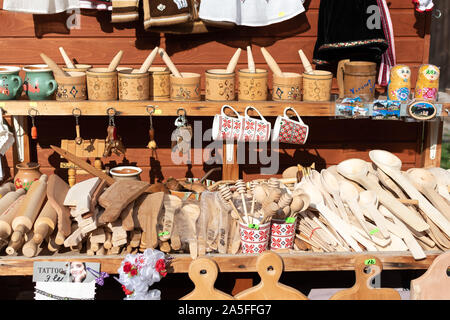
pixel 230 167
pixel 432 144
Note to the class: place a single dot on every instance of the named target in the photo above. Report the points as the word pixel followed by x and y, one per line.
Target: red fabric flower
pixel 160 266
pixel 133 272
pixel 127 292
pixel 127 267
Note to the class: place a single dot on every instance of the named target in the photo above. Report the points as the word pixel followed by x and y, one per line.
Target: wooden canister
pixel 101 84
pixel 219 85
pixel 159 83
pixel 186 88
pixel 288 87
pixel 79 68
pixel 317 85
pixel 73 88
pixel 133 86
pixel 252 86
pixel 357 79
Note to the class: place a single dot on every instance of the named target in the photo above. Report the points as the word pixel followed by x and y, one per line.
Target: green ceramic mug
pixel 39 83
pixel 10 82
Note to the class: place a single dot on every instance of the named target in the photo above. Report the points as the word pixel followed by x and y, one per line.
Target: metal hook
pixel 152 109
pixel 178 112
pixel 74 110
pixel 439 13
pixel 108 112
pixel 32 109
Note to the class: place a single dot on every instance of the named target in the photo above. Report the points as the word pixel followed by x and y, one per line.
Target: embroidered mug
pixel 282 234
pixel 226 127
pixel 288 130
pixel 255 129
pixel 254 240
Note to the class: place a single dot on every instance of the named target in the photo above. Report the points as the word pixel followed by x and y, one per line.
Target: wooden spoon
pixel 57 71
pixel 192 212
pixel 148 62
pixel 368 200
pixel 234 60
pixel 357 169
pixel 115 62
pixel 443 181
pixel 66 58
pixel 350 195
pixel 171 204
pixel 271 63
pixel 169 63
pixel 332 186
pixel 391 165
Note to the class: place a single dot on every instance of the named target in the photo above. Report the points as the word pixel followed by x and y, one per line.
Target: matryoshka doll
pixel 427 85
pixel 399 85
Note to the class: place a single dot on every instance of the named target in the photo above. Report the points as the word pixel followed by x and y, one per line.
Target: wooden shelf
pixel 295 261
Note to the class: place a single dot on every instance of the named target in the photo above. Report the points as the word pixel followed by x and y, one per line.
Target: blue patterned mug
pixel 10 82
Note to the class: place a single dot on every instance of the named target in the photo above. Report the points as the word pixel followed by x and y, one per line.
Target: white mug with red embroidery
pixel 288 130
pixel 226 127
pixel 255 129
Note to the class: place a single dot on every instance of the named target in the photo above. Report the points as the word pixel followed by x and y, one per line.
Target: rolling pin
pixel 115 62
pixel 66 58
pixel 57 71
pixel 45 223
pixel 169 63
pixel 8 199
pixel 6 187
pixel 30 248
pixel 29 208
pixel 7 218
pixel 14 246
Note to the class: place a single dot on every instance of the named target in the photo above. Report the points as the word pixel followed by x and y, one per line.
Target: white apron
pixel 253 13
pixel 41 6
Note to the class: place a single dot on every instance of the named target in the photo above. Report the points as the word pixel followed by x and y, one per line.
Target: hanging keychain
pixel 34 134
pixel 77 113
pixel 113 142
pixel 181 137
pixel 151 132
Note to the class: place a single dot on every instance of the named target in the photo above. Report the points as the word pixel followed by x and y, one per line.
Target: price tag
pixel 253 226
pixel 2 104
pixel 165 233
pixel 369 262
pixel 158 112
pixel 33 104
pixel 373 231
pixel 290 220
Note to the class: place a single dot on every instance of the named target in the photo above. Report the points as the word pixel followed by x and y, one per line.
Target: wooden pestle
pixel 66 58
pixel 169 63
pixel 29 208
pixel 271 63
pixel 6 187
pixel 8 216
pixel 250 60
pixel 115 62
pixel 45 223
pixel 305 62
pixel 148 62
pixel 8 199
pixel 57 71
pixel 234 60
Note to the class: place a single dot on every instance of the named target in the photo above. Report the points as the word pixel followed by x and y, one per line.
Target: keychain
pixel 181 137
pixel 151 132
pixel 77 113
pixel 34 134
pixel 113 141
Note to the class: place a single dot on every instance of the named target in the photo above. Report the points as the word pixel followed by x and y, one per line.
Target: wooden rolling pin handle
pixel 40 232
pixel 14 246
pixel 18 233
pixel 30 249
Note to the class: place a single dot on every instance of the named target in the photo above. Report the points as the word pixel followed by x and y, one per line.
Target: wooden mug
pixel 252 86
pixel 219 85
pixel 357 79
pixel 317 86
pixel 186 88
pixel 133 86
pixel 288 87
pixel 73 88
pixel 102 84
pixel 159 83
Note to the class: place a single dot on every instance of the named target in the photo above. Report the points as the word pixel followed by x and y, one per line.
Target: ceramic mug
pixel 255 129
pixel 254 240
pixel 288 130
pixel 10 82
pixel 225 127
pixel 282 234
pixel 39 82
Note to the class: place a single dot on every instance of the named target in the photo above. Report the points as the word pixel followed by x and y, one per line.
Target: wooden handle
pixel 30 248
pixel 8 199
pixel 169 63
pixel 305 62
pixel 148 62
pixel 340 77
pixel 14 246
pixel 250 60
pixel 8 216
pixel 115 62
pixel 271 62
pixel 57 71
pixel 233 61
pixel 66 58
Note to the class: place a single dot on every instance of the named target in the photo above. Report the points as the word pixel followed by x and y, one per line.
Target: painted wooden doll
pixel 399 86
pixel 427 85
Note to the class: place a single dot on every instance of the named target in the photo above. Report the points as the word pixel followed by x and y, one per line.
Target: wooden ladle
pixel 357 169
pixel 391 165
pixel 425 182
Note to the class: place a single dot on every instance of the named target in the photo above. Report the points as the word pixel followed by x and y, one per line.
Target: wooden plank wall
pixel 23 37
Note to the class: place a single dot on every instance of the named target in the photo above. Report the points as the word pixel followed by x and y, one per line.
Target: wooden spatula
pixel 66 58
pixel 203 273
pixel 115 62
pixel 361 289
pixel 270 266
pixel 57 71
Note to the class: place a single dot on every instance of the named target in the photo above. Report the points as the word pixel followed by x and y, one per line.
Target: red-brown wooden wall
pixel 23 37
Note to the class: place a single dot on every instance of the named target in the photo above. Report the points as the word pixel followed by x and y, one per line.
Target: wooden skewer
pixel 305 62
pixel 169 63
pixel 234 60
pixel 66 58
pixel 148 62
pixel 250 61
pixel 271 63
pixel 115 62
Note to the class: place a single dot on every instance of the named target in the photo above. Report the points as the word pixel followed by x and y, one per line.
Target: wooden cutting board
pixel 149 207
pixel 434 284
pixel 270 267
pixel 362 289
pixel 203 273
